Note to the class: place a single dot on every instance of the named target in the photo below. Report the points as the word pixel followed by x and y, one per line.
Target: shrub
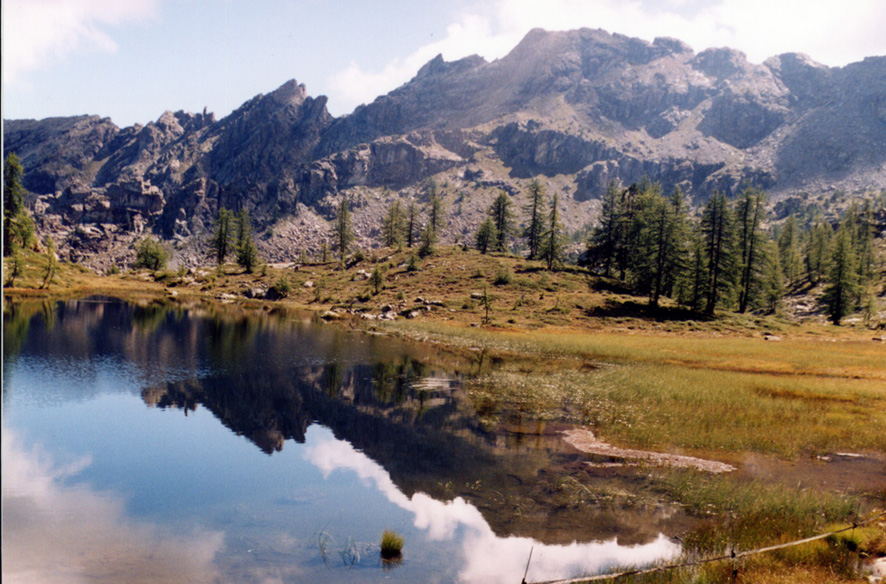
pixel 503 277
pixel 280 289
pixel 151 254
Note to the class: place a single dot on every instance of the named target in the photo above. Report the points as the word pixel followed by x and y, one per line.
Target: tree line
pixel 729 256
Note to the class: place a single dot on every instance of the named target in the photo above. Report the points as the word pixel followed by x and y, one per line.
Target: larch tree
pixel 842 288
pixel 554 241
pixel 535 218
pixel 486 236
pixel 247 251
pixel 343 229
pixel 503 219
pixel 604 238
pixel 789 250
pixel 717 231
pixel 749 215
pixel 393 226
pixel 18 226
pixel 224 232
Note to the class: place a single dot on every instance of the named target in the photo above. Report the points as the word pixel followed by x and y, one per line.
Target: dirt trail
pixel 585 441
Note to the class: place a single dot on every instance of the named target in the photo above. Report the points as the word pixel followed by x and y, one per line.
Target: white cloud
pixel 57 530
pixel 486 557
pixel 38 32
pixel 830 32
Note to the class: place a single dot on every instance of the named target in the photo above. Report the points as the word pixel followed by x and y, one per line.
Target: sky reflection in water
pixel 486 557
pixel 128 456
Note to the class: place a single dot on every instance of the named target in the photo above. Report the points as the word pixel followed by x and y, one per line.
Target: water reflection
pixel 59 532
pixel 391 413
pixel 486 557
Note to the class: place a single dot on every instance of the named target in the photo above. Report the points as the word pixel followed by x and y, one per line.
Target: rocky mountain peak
pixel 290 93
pixel 721 63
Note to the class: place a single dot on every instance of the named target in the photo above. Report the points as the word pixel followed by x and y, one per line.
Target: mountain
pixel 577 108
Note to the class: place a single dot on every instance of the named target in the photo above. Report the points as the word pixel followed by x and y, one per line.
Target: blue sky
pixel 133 59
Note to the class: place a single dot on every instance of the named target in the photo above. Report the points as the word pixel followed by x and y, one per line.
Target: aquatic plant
pixel 391 544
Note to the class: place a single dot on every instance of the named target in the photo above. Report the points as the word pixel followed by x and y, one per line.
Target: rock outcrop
pixel 579 108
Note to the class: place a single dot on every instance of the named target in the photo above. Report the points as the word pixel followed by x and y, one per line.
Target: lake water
pixel 146 444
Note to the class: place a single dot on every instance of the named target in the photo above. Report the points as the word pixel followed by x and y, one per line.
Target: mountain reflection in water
pixel 390 413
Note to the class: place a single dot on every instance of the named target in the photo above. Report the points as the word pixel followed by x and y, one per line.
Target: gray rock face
pixel 580 108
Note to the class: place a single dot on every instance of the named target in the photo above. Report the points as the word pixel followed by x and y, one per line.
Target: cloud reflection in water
pixel 57 532
pixel 486 557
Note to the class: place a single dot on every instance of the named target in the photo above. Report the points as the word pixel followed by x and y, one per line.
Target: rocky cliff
pixel 578 108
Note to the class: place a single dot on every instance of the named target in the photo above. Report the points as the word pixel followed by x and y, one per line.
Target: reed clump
pixel 391 545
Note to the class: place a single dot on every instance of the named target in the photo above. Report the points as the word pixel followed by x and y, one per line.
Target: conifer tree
pixel 436 216
pixel 221 238
pixel 18 226
pixel 749 216
pixel 772 284
pixel 393 226
pixel 553 243
pixel 535 218
pixel 818 249
pixel 696 290
pixel 789 250
pixel 486 235
pixel 503 220
pixel 717 229
pixel 660 250
pixel 247 251
pixel 411 224
pixel 865 250
pixel 344 230
pixel 604 239
pixel 842 289
pixel 51 262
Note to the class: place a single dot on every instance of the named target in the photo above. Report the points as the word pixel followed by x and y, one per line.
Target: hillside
pixel 578 108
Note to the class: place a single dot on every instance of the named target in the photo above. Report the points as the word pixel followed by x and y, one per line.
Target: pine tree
pixel 535 212
pixel 553 242
pixel 344 230
pixel 221 238
pixel 842 289
pixel 503 220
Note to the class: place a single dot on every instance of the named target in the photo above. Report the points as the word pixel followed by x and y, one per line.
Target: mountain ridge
pixel 578 108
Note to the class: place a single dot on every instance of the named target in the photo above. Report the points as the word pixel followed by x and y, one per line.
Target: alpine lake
pixel 217 444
